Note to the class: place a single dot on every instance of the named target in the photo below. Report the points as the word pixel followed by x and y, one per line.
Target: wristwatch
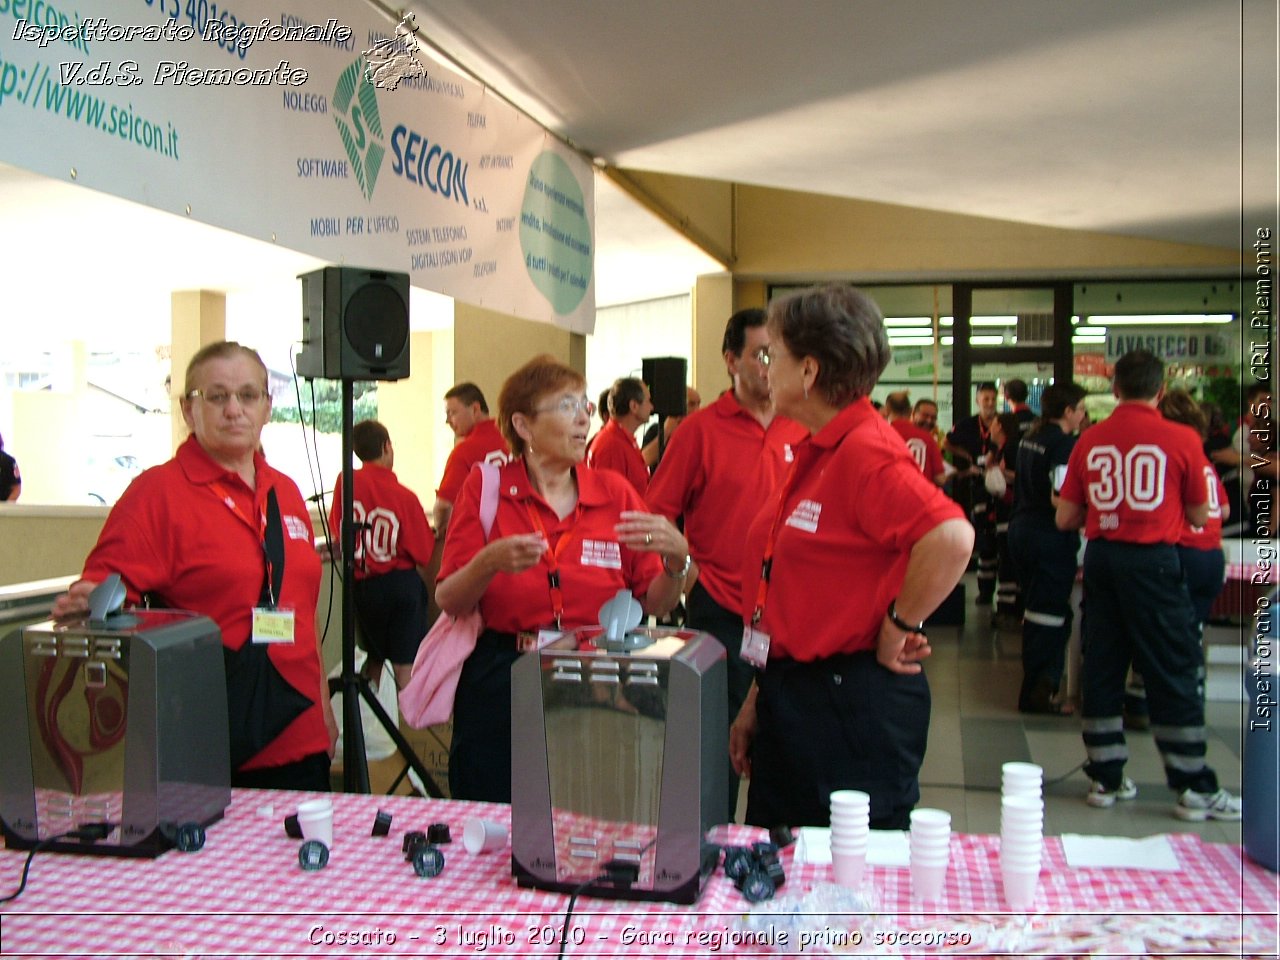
pixel 682 572
pixel 901 624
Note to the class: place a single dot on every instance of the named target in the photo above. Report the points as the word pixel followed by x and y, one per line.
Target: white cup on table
pixel 315 820
pixel 481 836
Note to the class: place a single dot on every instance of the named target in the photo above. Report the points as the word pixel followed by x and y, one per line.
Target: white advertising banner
pixel 1192 346
pixel 313 125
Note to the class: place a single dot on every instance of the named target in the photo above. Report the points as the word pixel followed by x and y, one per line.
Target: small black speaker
pixel 355 324
pixel 666 377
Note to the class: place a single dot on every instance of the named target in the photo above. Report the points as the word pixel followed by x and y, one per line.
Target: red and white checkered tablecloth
pixel 245 895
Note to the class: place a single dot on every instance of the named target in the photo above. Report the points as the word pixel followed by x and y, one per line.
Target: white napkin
pixel 885 848
pixel 1149 853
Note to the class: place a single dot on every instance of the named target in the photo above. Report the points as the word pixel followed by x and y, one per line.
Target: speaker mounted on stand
pixel 355 324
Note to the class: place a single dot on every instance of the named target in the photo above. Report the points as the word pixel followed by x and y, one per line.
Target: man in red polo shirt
pixel 393 551
pixel 615 448
pixel 720 467
pixel 920 443
pixel 1132 482
pixel 467 415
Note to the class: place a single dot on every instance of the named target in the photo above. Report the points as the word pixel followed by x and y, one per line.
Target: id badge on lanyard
pixel 755 646
pixel 272 625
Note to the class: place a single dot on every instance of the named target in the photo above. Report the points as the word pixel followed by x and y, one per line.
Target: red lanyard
pixel 552 556
pixel 261 530
pixel 766 565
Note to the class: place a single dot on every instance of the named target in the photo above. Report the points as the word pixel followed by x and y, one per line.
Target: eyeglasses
pixel 569 407
pixel 245 396
pixel 762 357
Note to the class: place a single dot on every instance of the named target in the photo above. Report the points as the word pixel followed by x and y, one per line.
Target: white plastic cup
pixel 850 845
pixel 1020 838
pixel 1023 827
pixel 850 799
pixel 849 868
pixel 1022 804
pixel 928 817
pixel 481 836
pixel 315 820
pixel 929 841
pixel 844 818
pixel 1020 852
pixel 1017 770
pixel 850 839
pixel 927 879
pixel 1020 887
pixel 850 833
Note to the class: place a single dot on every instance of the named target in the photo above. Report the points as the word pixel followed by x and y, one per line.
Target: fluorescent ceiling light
pixel 993 321
pixel 948 341
pixel 1087 339
pixel 912 342
pixel 1173 319
pixel 892 322
pixel 986 341
pixel 947 321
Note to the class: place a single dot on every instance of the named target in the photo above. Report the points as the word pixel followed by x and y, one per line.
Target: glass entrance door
pixel 1003 331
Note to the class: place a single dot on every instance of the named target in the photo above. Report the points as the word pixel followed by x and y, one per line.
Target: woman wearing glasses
pixel 564 541
pixel 841 568
pixel 217 531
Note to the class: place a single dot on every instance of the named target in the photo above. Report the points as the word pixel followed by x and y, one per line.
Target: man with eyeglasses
pixel 467 414
pixel 615 448
pixel 721 465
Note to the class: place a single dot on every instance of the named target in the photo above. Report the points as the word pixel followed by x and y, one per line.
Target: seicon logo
pixel 355 111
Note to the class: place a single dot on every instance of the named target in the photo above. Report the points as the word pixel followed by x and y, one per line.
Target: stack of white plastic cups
pixel 930 843
pixel 850 833
pixel 1021 833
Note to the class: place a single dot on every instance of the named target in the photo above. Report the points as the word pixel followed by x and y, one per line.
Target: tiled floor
pixel 974 674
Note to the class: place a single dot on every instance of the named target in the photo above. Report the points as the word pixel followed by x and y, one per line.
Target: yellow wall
pixel 198 317
pixel 412 410
pixel 45 541
pixel 713 304
pixel 488 346
pixel 783 232
pixel 779 235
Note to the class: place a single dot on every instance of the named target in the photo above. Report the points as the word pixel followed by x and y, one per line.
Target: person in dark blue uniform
pixel 1043 555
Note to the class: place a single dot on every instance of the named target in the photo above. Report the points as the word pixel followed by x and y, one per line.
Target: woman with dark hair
pixel 843 565
pixel 1044 556
pixel 564 541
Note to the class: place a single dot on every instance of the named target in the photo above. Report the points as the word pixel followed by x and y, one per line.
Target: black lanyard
pixel 271 529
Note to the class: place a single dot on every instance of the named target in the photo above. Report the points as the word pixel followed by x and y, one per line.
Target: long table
pixel 244 894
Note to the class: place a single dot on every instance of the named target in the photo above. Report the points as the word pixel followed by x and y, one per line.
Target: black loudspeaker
pixel 355 324
pixel 666 377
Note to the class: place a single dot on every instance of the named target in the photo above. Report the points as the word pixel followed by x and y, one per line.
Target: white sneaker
pixel 1100 796
pixel 1198 807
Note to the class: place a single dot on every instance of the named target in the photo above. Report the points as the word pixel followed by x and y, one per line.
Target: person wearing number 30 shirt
pixel 1133 481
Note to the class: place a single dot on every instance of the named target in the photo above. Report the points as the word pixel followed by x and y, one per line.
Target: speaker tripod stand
pixel 354 686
